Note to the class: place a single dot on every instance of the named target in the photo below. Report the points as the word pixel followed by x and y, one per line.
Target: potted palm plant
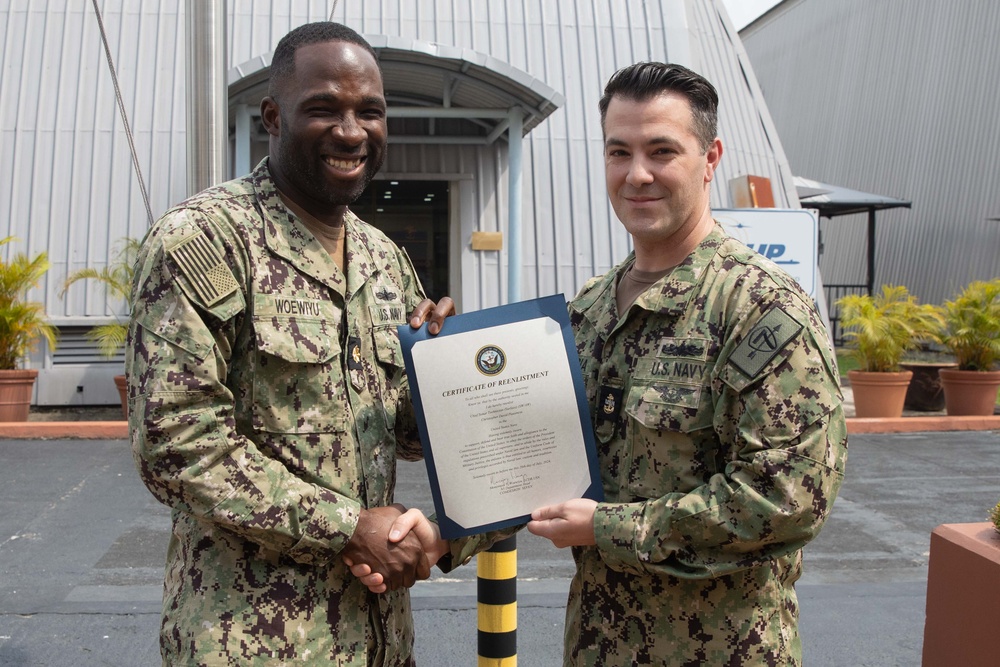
pixel 971 331
pixel 879 330
pixel 116 278
pixel 22 325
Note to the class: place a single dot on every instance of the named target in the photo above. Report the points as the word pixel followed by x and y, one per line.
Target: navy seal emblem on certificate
pixel 490 360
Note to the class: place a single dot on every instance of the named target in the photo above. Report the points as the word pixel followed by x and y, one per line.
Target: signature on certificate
pixel 500 479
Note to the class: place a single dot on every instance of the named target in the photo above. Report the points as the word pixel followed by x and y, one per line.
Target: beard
pixel 307 173
pixel 349 195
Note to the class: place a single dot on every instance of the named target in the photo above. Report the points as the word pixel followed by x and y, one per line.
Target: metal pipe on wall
pixel 207 93
pixel 514 153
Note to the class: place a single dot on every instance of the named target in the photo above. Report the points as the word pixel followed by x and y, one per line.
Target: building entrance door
pixel 414 214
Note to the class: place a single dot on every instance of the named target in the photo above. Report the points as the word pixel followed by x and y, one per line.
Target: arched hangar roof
pixel 469 95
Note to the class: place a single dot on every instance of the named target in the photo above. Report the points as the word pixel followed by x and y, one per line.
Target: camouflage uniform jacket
pixel 722 443
pixel 268 404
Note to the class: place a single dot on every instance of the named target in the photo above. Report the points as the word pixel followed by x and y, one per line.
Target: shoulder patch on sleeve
pixel 201 264
pixel 765 340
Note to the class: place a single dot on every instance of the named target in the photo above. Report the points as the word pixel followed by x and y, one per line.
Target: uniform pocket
pixel 390 358
pixel 298 381
pixel 387 346
pixel 669 444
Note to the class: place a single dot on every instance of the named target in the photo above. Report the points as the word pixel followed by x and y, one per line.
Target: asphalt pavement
pixel 82 546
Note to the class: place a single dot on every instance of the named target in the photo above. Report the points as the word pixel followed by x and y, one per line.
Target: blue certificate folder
pixel 491 363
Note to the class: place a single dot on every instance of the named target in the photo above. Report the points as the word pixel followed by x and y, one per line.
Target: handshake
pixel 394 547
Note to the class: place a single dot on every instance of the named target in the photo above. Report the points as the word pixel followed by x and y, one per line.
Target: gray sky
pixel 743 12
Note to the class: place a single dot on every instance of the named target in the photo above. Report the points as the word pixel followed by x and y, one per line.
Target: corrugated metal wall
pixel 901 98
pixel 66 177
pixel 67 183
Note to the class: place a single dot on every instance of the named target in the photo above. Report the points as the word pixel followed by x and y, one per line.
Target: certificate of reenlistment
pixel 502 415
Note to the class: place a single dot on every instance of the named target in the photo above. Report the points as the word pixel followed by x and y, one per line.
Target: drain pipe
pixel 514 150
pixel 207 94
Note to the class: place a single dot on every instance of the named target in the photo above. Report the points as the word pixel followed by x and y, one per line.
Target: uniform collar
pixel 291 240
pixel 668 296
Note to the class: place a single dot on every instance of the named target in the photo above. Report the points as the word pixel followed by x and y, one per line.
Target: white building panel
pixel 898 98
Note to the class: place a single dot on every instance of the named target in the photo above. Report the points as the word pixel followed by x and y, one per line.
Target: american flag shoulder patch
pixel 201 264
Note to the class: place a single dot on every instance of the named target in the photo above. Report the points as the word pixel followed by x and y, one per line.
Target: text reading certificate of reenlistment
pixel 502 415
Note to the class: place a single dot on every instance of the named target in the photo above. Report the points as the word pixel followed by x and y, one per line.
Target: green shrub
pixel 117 281
pixel 22 323
pixel 880 329
pixel 971 325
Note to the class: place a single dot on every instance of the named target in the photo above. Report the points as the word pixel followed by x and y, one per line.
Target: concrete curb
pixel 921 424
pixel 114 430
pixel 84 430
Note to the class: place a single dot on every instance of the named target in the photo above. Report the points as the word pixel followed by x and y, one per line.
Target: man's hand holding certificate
pixel 507 430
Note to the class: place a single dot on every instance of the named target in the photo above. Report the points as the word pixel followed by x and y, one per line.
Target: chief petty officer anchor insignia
pixel 609 402
pixel 354 366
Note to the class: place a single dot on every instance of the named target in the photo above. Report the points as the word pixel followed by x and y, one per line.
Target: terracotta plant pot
pixel 963 585
pixel 969 392
pixel 122 384
pixel 15 394
pixel 879 395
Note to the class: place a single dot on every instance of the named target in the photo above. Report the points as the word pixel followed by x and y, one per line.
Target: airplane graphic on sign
pixel 787 237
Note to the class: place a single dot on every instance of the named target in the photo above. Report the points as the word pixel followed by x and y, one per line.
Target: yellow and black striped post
pixel 496 569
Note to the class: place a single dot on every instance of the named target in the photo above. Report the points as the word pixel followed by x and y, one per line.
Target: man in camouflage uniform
pixel 716 406
pixel 267 397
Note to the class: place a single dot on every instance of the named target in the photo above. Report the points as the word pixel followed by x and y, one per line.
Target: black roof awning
pixel 834 200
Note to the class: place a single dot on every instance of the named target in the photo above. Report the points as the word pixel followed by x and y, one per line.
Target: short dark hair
pixel 283 59
pixel 643 81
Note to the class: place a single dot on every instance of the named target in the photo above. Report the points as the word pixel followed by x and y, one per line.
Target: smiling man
pixel 716 405
pixel 267 397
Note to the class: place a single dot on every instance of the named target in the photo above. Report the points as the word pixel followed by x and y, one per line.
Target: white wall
pixel 67 183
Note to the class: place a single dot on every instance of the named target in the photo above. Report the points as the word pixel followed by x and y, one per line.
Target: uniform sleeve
pixel 782 434
pixel 408 445
pixel 181 340
pixel 462 550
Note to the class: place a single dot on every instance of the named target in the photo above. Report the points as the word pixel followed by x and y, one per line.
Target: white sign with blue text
pixel 787 237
